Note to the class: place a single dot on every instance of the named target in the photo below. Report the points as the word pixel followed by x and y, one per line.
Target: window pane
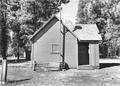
pixel 55 48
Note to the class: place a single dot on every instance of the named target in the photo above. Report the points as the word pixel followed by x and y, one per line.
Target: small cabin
pixel 81 48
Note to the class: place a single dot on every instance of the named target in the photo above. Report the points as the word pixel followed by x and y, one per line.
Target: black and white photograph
pixel 59 42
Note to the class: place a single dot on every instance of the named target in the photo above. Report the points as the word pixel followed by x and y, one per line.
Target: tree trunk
pixel 18 56
pixel 4 71
pixel 4 44
pixel 18 38
pixel 118 51
pixel 27 55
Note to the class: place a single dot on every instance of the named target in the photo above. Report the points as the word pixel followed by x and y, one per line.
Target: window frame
pixel 55 50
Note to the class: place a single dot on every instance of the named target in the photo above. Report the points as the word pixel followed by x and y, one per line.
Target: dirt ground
pixel 108 75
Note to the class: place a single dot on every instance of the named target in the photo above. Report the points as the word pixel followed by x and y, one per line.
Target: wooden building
pixel 81 49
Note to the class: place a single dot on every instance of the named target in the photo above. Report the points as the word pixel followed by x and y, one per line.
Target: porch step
pixel 47 67
pixel 87 67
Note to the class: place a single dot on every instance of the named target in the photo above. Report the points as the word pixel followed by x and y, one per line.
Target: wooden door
pixel 83 54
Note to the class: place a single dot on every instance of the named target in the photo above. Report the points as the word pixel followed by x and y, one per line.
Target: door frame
pixel 87 51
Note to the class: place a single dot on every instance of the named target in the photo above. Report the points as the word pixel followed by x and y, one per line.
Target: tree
pixel 26 16
pixel 42 10
pixel 17 18
pixel 4 39
pixel 105 13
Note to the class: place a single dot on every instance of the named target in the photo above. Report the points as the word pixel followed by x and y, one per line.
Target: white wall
pixel 43 46
pixel 94 54
pixel 71 50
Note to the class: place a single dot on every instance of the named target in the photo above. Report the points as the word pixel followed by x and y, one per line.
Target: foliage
pixel 26 16
pixel 42 10
pixel 17 17
pixel 105 13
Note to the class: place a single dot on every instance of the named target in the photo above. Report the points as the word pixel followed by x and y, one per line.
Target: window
pixel 55 49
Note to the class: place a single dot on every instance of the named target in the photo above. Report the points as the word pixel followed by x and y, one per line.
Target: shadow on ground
pixel 15 61
pixel 105 65
pixel 15 81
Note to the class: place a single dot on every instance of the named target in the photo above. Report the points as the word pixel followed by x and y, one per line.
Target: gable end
pixel 44 29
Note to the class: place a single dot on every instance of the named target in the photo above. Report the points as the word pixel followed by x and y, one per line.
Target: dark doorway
pixel 83 55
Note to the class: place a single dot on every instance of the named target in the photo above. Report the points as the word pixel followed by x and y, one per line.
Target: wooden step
pixel 47 67
pixel 87 67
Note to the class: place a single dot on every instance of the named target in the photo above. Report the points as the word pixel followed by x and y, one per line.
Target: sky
pixel 69 11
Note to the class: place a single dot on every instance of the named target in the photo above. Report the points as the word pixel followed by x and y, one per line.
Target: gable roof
pixel 68 17
pixel 87 32
pixel 47 25
pixel 68 12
